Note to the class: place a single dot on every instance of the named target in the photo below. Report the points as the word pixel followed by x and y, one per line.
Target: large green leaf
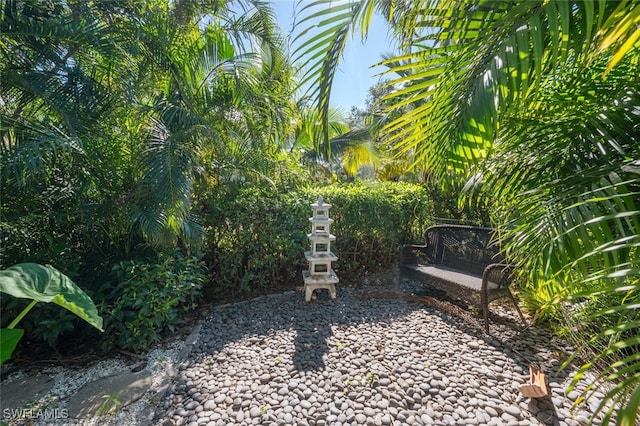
pixel 9 338
pixel 47 284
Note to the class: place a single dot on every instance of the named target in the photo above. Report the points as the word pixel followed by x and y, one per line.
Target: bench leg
pixel 484 305
pixel 515 303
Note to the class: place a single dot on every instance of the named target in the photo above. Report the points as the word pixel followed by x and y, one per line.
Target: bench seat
pixel 452 276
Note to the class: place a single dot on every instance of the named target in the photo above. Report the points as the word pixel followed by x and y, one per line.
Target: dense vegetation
pixel 534 106
pixel 257 236
pixel 139 144
pixel 148 146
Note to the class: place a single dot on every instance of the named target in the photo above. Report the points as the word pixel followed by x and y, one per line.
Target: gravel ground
pixel 365 361
pixel 160 361
pixel 355 360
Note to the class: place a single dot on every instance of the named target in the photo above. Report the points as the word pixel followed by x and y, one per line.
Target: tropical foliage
pixel 124 105
pixel 535 106
pixel 113 115
pixel 39 283
pixel 131 128
pixel 350 149
pixel 151 297
pixel 119 121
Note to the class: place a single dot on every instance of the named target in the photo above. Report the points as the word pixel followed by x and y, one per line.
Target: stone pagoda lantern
pixel 320 275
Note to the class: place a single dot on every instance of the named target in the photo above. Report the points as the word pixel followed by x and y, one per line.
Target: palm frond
pixel 353 150
pixel 257 28
pixel 357 156
pixel 29 149
pixel 166 185
pixel 563 170
pixel 493 55
pixel 309 132
pixel 621 31
pixel 320 44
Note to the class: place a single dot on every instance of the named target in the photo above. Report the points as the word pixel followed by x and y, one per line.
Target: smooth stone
pixel 312 364
pixel 369 412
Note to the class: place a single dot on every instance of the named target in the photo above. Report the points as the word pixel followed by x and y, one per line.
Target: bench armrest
pixel 497 273
pixel 408 254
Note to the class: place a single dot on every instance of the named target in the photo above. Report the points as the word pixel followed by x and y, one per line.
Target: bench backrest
pixel 466 248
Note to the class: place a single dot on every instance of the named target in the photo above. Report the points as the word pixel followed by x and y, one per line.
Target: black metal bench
pixel 463 261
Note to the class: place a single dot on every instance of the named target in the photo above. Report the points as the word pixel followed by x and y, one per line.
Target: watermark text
pixel 35 413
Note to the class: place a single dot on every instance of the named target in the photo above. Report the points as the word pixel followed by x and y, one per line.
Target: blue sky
pixel 355 75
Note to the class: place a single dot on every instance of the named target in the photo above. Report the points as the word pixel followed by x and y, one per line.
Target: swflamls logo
pixel 35 414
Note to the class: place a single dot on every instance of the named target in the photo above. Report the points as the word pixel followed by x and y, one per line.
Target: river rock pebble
pixel 357 360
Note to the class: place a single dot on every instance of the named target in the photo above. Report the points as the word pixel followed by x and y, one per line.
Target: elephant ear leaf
pixel 47 284
pixel 9 338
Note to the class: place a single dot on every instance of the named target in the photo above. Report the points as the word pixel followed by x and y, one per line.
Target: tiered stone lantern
pixel 320 275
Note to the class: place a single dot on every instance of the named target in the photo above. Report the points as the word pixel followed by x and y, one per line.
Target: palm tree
pixel 58 95
pixel 349 150
pixel 48 101
pixel 534 104
pixel 147 94
pixel 219 105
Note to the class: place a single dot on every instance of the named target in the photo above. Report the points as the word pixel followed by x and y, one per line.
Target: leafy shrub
pixel 151 297
pixel 50 327
pixel 256 237
pixel 372 221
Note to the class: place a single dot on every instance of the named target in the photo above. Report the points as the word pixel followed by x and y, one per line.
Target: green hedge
pixel 256 238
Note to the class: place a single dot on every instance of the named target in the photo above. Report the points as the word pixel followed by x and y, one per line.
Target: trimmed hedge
pixel 256 238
